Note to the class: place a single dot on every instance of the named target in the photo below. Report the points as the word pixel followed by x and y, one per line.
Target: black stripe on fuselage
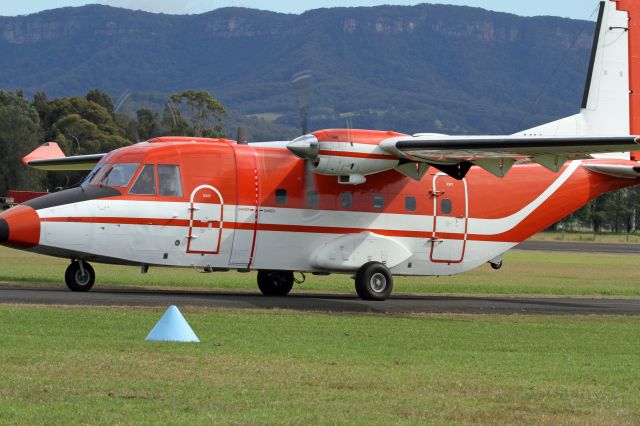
pixel 70 196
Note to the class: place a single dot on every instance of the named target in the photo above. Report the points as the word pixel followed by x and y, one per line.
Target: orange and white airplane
pixel 368 203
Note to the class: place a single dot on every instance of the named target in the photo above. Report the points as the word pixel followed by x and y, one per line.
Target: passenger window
pixel 313 199
pixel 281 196
pixel 120 174
pixel 446 206
pixel 346 200
pixel 169 182
pixel 410 204
pixel 146 182
pixel 378 202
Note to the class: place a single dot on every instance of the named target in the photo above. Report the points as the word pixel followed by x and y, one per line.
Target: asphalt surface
pixel 398 304
pixel 560 246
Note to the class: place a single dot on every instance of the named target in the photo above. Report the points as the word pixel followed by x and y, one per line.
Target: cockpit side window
pixel 169 180
pixel 96 175
pixel 120 174
pixel 92 174
pixel 146 182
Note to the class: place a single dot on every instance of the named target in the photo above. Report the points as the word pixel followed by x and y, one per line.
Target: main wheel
pixel 374 281
pixel 275 283
pixel 79 279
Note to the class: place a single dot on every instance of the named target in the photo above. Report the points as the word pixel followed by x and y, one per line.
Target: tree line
pixel 89 124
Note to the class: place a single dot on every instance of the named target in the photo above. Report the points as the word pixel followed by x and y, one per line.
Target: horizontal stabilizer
pixel 626 172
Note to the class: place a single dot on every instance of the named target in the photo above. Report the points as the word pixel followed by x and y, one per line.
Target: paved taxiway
pixel 59 295
pixel 569 247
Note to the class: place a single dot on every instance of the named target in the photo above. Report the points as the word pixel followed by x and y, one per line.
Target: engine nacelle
pixel 349 154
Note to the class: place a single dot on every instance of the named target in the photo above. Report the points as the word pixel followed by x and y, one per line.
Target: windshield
pixel 119 174
pixel 94 173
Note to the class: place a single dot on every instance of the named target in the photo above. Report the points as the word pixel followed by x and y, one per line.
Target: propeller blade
pixel 242 138
pixel 309 178
pixel 302 85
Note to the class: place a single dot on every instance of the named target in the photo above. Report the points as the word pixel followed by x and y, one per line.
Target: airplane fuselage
pixel 253 207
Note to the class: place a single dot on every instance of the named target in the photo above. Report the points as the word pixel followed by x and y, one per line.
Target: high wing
pixel 455 155
pixel 49 156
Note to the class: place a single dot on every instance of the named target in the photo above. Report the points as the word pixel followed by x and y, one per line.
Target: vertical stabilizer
pixel 632 8
pixel 608 104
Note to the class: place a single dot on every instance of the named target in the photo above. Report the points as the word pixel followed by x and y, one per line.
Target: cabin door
pixel 245 235
pixel 451 213
pixel 206 220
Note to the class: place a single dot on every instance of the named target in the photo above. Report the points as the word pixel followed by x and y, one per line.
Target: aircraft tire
pixel 374 282
pixel 496 266
pixel 275 283
pixel 75 280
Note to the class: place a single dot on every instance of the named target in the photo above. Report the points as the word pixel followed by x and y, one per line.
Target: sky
pixel 577 9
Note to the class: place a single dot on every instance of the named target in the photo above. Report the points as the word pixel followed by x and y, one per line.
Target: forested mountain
pixel 420 68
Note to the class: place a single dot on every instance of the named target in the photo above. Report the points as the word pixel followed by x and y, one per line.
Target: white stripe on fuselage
pixel 114 208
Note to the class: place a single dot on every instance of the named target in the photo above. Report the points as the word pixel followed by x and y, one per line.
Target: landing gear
pixel 374 281
pixel 79 276
pixel 496 265
pixel 275 283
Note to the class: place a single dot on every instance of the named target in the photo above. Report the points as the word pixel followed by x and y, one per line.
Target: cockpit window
pixel 120 174
pixel 146 182
pixel 98 177
pixel 169 180
pixel 99 169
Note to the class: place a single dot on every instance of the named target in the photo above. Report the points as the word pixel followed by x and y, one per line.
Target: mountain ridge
pixel 429 67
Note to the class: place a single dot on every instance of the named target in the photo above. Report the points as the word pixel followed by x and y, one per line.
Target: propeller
pixel 302 85
pixel 306 146
pixel 242 138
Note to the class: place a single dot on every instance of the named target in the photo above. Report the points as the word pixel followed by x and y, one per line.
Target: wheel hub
pixel 82 279
pixel 378 282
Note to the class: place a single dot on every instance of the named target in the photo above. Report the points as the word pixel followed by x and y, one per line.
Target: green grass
pixel 524 273
pixel 80 365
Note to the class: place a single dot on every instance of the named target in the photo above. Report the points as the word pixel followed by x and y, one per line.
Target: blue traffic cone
pixel 172 327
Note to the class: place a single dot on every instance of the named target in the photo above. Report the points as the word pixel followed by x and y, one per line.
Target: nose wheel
pixel 79 276
pixel 275 283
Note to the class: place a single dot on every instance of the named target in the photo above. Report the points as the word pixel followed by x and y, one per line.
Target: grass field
pixel 524 273
pixel 62 365
pixel 73 365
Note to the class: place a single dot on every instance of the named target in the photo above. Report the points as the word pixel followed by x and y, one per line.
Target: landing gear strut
pixel 79 276
pixel 374 281
pixel 275 283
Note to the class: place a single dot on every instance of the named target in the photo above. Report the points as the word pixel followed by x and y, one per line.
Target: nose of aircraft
pixel 20 227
